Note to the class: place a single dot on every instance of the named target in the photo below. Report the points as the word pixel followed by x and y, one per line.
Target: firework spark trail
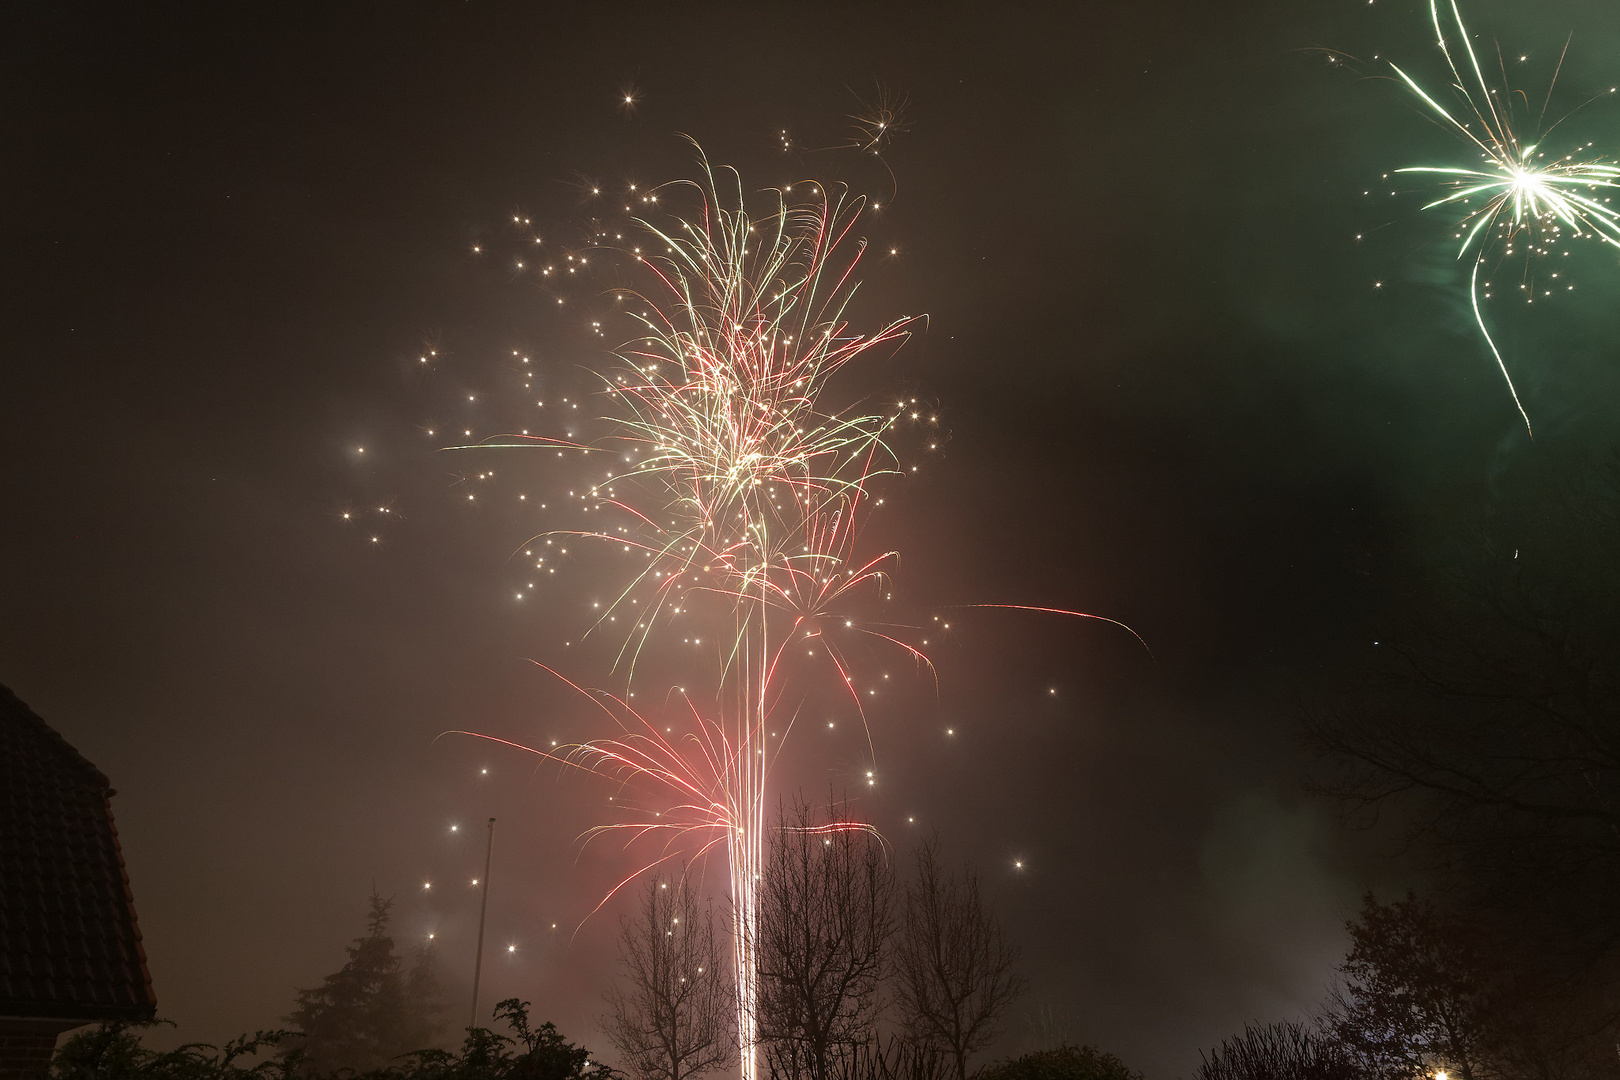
pixel 740 500
pixel 1522 198
pixel 741 496
pixel 752 333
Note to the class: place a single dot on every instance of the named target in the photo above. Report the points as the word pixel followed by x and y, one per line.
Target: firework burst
pixel 1518 200
pixel 878 121
pixel 735 499
pixel 731 492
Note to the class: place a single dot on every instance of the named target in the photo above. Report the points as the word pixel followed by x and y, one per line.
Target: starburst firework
pixel 1518 200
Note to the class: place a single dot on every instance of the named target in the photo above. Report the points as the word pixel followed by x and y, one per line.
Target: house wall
pixel 26 1045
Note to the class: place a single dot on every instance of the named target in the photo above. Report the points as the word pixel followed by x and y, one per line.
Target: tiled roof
pixel 69 944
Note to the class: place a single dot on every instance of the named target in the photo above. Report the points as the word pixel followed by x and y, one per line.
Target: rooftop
pixel 70 947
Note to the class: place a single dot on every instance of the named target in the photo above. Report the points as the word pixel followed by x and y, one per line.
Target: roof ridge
pixel 29 716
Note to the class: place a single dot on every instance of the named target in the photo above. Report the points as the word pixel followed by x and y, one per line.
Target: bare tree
pixel 1065 1062
pixel 1490 724
pixel 1288 1050
pixel 890 1056
pixel 955 966
pixel 1490 730
pixel 675 1019
pixel 826 915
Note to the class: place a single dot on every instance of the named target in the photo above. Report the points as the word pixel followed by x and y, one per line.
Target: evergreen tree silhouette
pixel 369 1012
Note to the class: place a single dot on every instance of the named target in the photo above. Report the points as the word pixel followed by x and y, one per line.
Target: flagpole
pixel 483 910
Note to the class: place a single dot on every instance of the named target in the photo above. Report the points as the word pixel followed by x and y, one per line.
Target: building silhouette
pixel 70 948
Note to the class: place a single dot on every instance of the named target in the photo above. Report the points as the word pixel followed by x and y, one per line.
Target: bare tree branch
pixel 826 915
pixel 675 1020
pixel 955 966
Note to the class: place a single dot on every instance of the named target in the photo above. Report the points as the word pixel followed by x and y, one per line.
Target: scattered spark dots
pixel 712 458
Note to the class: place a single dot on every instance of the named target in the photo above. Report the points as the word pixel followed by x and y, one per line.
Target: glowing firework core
pixel 1528 185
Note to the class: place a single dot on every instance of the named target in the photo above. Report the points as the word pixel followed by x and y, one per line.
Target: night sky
pixel 1175 392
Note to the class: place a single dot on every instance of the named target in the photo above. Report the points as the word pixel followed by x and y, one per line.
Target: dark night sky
pixel 1173 394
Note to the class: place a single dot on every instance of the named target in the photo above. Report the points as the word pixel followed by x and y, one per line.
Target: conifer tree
pixel 369 1012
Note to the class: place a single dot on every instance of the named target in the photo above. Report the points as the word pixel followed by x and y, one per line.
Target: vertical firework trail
pixel 736 497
